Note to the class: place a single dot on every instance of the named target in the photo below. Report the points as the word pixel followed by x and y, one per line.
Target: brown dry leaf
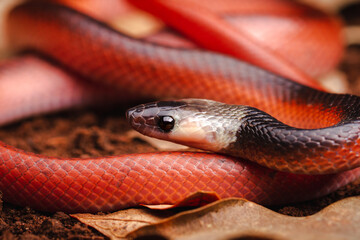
pixel 197 199
pixel 230 219
pixel 237 218
pixel 118 225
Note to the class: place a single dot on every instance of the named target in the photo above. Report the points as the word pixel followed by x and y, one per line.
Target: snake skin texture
pixel 246 132
pixel 106 184
pixel 146 70
pixel 24 97
pixel 128 63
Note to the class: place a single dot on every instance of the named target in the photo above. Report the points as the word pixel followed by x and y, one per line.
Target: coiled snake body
pixel 147 70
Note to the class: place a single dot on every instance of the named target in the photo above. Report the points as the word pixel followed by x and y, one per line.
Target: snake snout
pixel 134 116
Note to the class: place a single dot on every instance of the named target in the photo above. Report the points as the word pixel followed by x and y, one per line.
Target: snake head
pixel 199 123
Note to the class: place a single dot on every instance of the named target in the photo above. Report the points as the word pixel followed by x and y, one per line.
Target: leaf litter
pixel 232 218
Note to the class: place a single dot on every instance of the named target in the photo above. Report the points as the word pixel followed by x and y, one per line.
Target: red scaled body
pixel 138 69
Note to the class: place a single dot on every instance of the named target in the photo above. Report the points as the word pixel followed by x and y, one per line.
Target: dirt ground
pixel 94 132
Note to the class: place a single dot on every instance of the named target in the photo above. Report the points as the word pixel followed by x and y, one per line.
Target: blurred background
pixel 346 78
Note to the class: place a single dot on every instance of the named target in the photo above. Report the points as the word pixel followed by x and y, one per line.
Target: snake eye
pixel 166 123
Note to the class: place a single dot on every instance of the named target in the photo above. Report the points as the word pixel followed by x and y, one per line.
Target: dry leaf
pixel 230 219
pixel 237 218
pixel 197 199
pixel 118 225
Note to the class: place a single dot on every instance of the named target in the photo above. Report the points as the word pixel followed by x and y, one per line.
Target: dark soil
pixel 89 132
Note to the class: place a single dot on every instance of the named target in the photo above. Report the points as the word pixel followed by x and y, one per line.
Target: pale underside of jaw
pixel 201 134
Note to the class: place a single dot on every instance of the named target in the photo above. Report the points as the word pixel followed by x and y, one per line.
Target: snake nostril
pixel 129 113
pixel 134 114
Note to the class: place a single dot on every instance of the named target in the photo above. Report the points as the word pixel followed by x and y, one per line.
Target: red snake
pixel 137 69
